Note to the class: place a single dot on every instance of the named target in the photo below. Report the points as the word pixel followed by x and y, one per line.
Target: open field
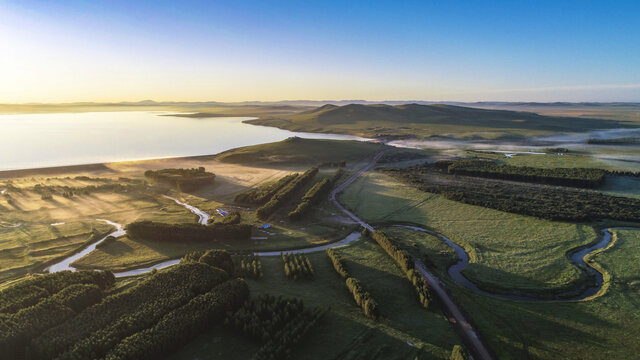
pixel 492 238
pixel 605 327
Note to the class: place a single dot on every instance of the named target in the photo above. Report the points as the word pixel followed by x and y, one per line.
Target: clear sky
pixel 62 51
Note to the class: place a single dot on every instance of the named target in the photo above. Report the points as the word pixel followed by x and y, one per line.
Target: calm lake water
pixel 42 140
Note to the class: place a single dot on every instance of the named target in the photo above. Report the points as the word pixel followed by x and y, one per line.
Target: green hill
pixel 300 151
pixel 428 120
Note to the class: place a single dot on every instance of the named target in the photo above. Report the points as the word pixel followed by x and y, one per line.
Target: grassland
pixel 345 333
pixel 422 121
pixel 492 238
pixel 594 329
pixel 602 328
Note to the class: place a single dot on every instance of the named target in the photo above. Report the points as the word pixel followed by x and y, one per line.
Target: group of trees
pixel 405 261
pixel 338 263
pixel 263 193
pixel 285 193
pixel 213 257
pixel 16 330
pixel 157 231
pixel 47 191
pixel 297 266
pixel 277 323
pixel 35 288
pixel 181 325
pixel 248 266
pixel 232 218
pixel 576 177
pixel 99 328
pixel 363 298
pixel 314 195
pixel 360 295
pixel 547 202
pixel 183 179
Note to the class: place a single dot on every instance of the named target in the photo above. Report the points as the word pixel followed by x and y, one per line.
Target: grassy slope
pixel 493 238
pixel 345 333
pixel 298 151
pixel 426 120
pixel 605 327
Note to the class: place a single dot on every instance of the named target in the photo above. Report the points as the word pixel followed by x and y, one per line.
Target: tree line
pixel 248 266
pixel 405 261
pixel 285 193
pixel 213 257
pixel 546 202
pixel 97 329
pixel 181 325
pixel 314 195
pixel 297 266
pixel 277 323
pixel 360 295
pixel 16 330
pixel 157 231
pixel 576 177
pixel 183 179
pixel 262 194
pixel 35 288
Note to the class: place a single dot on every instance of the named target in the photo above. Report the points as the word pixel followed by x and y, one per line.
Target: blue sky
pixel 271 50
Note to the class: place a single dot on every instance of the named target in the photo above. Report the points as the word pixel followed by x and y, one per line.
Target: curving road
pixel 458 319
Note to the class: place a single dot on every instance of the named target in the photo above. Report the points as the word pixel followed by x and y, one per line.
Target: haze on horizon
pixel 381 50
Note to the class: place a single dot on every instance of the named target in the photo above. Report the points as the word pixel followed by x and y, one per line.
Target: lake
pixel 57 139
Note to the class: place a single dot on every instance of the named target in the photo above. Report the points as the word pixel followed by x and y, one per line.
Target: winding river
pixel 576 257
pixel 203 219
pixel 454 271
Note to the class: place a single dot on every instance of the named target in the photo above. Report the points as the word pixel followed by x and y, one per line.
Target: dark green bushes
pixel 19 328
pixel 544 202
pixel 264 193
pixel 297 266
pixel 231 218
pixel 405 261
pixel 156 231
pixel 182 324
pixel 285 193
pixel 113 315
pixel 276 322
pixel 35 288
pixel 183 179
pixel 249 266
pixel 218 258
pixel 577 177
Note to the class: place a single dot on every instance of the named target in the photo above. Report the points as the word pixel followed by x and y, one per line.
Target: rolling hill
pixel 414 120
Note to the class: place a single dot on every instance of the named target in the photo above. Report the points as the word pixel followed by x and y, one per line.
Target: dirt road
pixel 458 319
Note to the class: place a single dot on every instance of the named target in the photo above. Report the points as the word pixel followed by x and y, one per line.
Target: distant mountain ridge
pixel 420 120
